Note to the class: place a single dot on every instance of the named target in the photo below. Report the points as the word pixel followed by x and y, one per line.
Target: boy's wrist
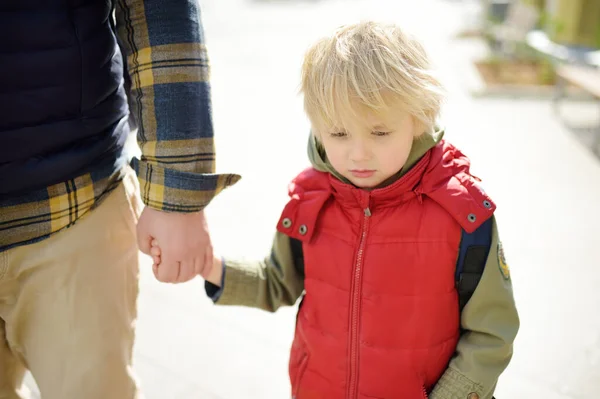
pixel 216 273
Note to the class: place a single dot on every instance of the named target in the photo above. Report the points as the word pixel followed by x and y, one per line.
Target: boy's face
pixel 370 149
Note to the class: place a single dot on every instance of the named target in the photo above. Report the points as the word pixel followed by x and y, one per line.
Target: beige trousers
pixel 68 306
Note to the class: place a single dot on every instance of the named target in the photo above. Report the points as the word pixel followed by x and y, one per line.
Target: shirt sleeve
pixel 170 101
pixel 490 322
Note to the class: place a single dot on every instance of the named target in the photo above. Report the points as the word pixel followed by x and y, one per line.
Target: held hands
pixel 212 274
pixel 185 246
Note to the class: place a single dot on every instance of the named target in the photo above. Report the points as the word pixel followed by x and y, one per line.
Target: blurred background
pixel 524 85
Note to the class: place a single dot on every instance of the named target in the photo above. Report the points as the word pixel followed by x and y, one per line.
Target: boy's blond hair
pixel 369 65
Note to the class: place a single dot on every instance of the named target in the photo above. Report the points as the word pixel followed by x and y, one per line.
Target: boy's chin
pixel 367 184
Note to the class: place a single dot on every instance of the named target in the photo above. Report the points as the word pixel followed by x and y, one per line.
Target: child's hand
pixel 155 253
pixel 203 270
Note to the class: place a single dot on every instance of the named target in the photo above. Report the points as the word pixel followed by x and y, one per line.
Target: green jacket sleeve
pixel 491 322
pixel 268 284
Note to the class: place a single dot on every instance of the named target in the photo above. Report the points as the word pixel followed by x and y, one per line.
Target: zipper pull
pixel 365 202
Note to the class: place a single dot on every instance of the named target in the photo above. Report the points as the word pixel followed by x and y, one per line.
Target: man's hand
pixel 213 275
pixel 186 249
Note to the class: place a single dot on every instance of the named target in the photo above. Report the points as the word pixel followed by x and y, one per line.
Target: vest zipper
pixel 355 303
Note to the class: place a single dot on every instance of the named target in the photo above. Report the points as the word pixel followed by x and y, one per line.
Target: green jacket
pixel 490 318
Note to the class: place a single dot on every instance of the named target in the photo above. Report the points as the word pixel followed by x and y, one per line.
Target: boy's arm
pixel 170 99
pixel 276 281
pixel 491 322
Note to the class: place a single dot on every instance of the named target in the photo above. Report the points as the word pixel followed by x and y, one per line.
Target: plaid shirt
pixel 170 99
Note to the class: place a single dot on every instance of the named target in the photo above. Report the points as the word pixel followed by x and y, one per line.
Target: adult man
pixel 69 202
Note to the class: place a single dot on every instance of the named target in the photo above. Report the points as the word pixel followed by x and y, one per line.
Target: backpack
pixel 472 257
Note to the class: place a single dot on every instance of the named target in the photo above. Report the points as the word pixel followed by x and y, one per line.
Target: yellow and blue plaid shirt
pixel 170 100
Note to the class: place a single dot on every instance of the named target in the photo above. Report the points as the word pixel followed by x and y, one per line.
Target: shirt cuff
pixel 454 385
pixel 214 291
pixel 171 190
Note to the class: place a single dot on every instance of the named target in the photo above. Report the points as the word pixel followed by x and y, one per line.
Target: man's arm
pixel 491 323
pixel 276 281
pixel 170 98
pixel 163 43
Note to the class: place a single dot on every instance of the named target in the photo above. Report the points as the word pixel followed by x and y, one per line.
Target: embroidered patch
pixel 502 262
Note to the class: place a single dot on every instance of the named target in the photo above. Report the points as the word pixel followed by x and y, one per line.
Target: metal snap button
pixel 287 223
pixel 487 204
pixel 472 218
pixel 303 229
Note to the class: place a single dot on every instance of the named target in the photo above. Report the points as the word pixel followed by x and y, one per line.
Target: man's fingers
pixel 202 264
pixel 198 266
pixel 208 261
pixel 144 238
pixel 186 271
pixel 168 271
pixel 144 243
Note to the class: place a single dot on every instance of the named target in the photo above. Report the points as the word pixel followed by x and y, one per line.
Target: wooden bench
pixel 561 53
pixel 586 79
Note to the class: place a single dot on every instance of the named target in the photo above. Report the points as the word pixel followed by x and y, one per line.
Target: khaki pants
pixel 68 306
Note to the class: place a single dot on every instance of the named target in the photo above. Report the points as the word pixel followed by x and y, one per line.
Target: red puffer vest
pixel 379 318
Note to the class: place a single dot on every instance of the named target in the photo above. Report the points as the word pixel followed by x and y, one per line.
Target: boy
pixel 371 237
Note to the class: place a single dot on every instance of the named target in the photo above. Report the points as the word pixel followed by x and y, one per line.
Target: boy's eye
pixel 379 133
pixel 338 134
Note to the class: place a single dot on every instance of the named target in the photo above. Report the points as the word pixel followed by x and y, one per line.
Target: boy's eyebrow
pixel 379 127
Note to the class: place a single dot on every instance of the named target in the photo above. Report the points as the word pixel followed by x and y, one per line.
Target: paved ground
pixel 541 174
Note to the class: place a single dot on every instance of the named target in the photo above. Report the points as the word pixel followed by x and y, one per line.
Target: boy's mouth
pixel 362 173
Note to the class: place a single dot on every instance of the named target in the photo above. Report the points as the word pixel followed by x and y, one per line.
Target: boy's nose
pixel 359 152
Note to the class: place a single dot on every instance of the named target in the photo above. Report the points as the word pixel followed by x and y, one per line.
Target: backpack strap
pixel 472 257
pixel 297 254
